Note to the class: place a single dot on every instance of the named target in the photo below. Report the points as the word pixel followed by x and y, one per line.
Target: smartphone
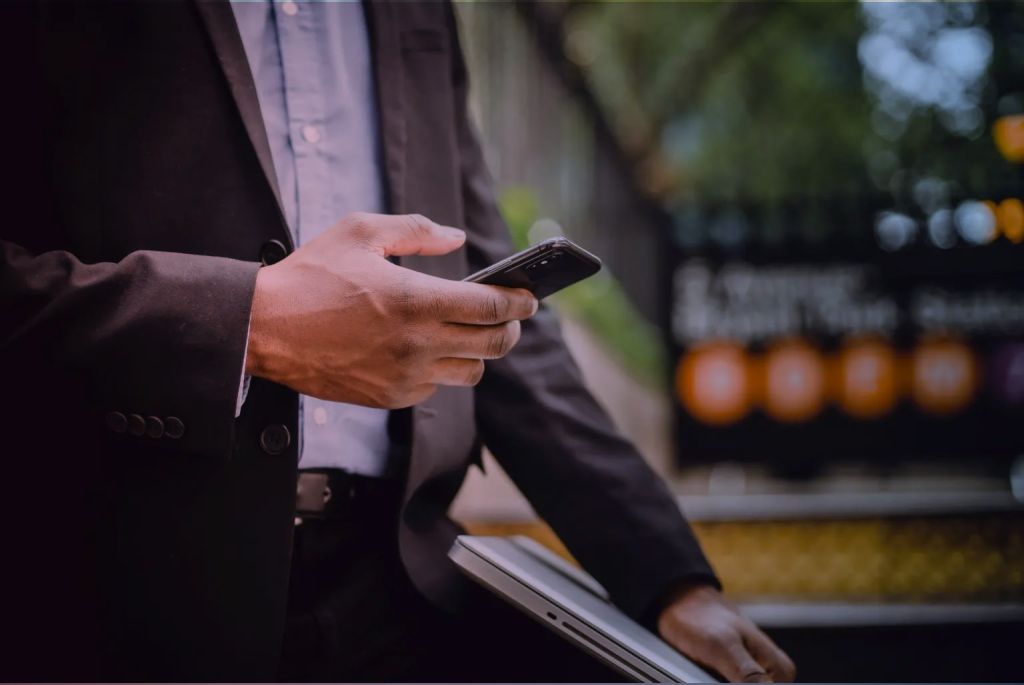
pixel 543 269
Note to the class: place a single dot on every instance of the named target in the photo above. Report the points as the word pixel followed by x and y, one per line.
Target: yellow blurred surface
pixel 978 558
pixel 1010 218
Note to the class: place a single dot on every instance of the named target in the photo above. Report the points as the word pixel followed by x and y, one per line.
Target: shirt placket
pixel 298 32
pixel 304 98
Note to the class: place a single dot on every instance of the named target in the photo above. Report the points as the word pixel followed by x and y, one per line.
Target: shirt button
pixel 289 8
pixel 320 416
pixel 311 134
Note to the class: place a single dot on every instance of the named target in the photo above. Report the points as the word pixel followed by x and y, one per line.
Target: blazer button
pixel 117 422
pixel 154 427
pixel 173 427
pixel 272 252
pixel 136 424
pixel 275 439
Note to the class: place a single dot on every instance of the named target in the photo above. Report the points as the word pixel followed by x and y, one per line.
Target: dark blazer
pixel 138 194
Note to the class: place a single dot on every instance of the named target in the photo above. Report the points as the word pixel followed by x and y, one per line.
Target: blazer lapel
pixel 382 24
pixel 219 20
pixel 437 441
pixel 382 20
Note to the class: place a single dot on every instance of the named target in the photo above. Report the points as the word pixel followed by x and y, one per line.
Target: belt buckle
pixel 312 495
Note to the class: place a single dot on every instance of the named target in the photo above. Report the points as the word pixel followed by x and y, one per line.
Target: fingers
pixel 411 397
pixel 405 234
pixel 450 371
pixel 711 631
pixel 472 303
pixel 481 342
pixel 780 667
pixel 731 658
pixel 454 371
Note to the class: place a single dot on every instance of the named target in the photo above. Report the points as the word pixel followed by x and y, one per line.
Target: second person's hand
pixel 336 320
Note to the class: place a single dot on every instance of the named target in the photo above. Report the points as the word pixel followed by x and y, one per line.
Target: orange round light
pixel 713 383
pixel 1010 219
pixel 794 382
pixel 1008 133
pixel 867 379
pixel 944 377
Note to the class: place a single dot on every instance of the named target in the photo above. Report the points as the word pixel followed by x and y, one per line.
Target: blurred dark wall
pixel 940 654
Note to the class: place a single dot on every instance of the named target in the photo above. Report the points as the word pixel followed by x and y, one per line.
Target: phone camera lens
pixel 543 265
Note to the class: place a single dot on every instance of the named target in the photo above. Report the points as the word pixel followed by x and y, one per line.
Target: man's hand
pixel 338 321
pixel 709 630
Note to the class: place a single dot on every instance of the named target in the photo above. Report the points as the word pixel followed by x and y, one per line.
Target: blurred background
pixel 811 319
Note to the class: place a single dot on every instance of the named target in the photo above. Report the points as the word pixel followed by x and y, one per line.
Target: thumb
pixel 405 234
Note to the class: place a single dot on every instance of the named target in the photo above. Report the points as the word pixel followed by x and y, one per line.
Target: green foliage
pixel 599 302
pixel 744 99
pixel 769 100
pixel 519 208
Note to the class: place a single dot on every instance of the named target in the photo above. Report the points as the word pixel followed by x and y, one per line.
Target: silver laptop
pixel 567 600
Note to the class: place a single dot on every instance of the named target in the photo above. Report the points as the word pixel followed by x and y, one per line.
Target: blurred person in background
pixel 202 308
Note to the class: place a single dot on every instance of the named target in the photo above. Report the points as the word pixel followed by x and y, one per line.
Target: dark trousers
pixel 354 616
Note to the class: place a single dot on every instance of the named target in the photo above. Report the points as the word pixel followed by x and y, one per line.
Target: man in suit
pixel 232 423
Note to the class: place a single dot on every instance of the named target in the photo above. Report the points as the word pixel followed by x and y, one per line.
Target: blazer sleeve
pixel 613 513
pixel 156 334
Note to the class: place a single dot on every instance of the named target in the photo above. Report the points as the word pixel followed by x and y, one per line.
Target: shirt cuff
pixel 243 385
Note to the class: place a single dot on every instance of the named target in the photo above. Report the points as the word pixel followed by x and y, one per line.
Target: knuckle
pixel 407 303
pixel 360 227
pixel 403 349
pixel 491 308
pixel 719 638
pixel 405 306
pixel 500 343
pixel 417 225
pixel 500 307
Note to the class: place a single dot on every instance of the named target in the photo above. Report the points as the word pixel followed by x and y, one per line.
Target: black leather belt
pixel 332 493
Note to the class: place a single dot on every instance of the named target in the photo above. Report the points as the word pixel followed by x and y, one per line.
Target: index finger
pixel 486 305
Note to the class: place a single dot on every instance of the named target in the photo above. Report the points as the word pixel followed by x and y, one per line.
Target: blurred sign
pixel 856 345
